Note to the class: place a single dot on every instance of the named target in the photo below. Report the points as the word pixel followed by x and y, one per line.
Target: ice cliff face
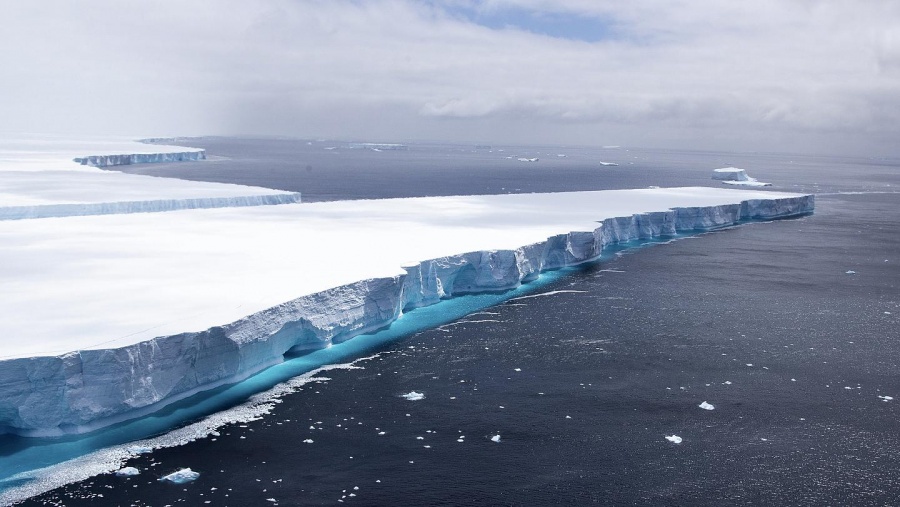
pixel 141 158
pixel 84 390
pixel 112 208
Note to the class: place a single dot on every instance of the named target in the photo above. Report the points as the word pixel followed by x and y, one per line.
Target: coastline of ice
pixel 105 383
pixel 159 306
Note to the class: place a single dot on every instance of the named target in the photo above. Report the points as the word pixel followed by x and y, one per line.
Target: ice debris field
pixel 106 315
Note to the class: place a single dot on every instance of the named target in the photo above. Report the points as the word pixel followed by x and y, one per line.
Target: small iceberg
pixel 495 438
pixel 707 406
pixel 736 176
pixel 182 476
pixel 128 472
pixel 413 396
pixel 675 439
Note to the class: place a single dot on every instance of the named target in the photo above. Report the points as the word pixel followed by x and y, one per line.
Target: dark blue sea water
pixel 789 329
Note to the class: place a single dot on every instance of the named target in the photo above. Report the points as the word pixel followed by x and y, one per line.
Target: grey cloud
pixel 724 72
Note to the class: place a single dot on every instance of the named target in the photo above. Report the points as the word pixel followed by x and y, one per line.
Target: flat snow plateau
pixel 107 281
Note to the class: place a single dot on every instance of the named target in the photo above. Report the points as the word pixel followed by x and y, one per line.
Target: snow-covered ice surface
pixel 159 305
pixel 39 178
pixel 736 176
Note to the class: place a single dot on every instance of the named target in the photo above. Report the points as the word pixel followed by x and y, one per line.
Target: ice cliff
pixel 149 206
pixel 83 390
pixel 141 158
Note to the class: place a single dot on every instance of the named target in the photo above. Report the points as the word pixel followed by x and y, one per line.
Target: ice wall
pixel 110 208
pixel 141 158
pixel 84 390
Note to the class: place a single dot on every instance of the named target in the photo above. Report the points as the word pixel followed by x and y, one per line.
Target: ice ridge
pixel 85 390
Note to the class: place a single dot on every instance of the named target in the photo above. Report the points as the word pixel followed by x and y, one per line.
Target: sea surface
pixel 563 392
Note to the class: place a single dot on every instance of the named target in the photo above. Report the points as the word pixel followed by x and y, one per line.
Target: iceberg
pixel 120 309
pixel 735 176
pixel 159 306
pixel 183 476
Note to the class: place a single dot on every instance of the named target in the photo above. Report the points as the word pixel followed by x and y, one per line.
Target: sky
pixel 819 76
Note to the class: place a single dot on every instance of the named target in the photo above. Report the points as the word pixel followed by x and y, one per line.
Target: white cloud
pixel 745 75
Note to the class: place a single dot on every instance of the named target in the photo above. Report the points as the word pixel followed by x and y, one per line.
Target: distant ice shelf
pixel 39 178
pixel 117 315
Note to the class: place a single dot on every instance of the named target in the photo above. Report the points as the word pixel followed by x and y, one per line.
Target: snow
pixel 182 476
pixel 158 305
pixel 414 396
pixel 736 176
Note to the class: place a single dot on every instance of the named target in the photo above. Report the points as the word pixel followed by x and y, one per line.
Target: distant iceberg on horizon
pixel 737 176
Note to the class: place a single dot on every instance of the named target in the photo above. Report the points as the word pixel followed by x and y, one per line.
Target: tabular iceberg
pixel 100 385
pixel 736 176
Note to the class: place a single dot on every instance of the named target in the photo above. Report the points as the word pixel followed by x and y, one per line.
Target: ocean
pixel 563 392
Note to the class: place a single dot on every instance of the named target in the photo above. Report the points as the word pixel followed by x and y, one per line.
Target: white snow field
pixel 103 317
pixel 39 178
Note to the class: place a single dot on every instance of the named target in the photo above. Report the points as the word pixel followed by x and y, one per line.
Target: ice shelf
pixel 42 177
pixel 103 317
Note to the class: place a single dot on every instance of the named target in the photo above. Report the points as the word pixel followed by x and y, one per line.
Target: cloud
pixel 740 75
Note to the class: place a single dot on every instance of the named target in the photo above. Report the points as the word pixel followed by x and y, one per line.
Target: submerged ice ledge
pixel 88 389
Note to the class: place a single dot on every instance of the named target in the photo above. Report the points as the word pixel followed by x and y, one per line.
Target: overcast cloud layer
pixel 797 75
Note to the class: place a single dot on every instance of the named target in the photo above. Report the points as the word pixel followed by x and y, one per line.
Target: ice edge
pixel 86 390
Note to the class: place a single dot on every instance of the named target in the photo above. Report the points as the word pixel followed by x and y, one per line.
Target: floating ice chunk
pixel 140 449
pixel 128 472
pixel 518 369
pixel 735 176
pixel 568 417
pixel 182 476
pixel 851 272
pixel 608 163
pixel 308 441
pixel 707 406
pixel 675 439
pixel 495 438
pixel 886 398
pixel 414 396
pixel 523 159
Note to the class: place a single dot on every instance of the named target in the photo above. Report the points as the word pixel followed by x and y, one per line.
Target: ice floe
pixel 182 476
